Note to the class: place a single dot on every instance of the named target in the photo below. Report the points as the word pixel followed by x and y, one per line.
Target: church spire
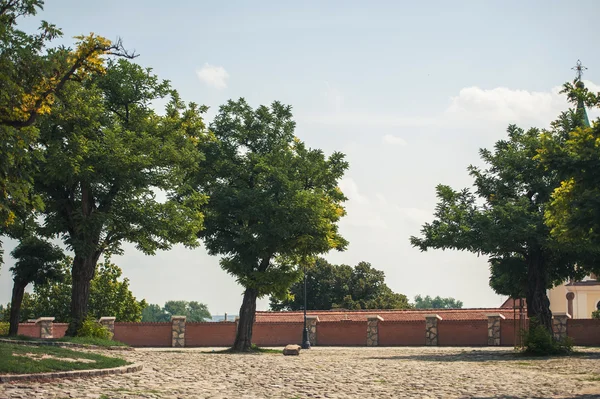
pixel 579 69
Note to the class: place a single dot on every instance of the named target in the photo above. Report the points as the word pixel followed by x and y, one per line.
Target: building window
pixel 598 305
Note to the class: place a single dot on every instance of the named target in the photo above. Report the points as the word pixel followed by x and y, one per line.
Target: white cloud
pixel 471 107
pixel 474 106
pixel 215 76
pixel 393 140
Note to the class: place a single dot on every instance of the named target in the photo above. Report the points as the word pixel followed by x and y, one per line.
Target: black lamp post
pixel 305 340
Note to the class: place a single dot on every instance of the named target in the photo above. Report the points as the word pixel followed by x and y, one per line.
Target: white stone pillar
pixel 178 331
pixel 46 327
pixel 431 329
pixel 373 330
pixel 494 330
pixel 311 324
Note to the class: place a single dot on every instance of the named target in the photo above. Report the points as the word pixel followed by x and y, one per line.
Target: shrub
pixel 538 341
pixel 4 328
pixel 596 314
pixel 92 329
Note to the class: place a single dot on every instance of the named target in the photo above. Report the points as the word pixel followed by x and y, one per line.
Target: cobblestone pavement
pixel 335 373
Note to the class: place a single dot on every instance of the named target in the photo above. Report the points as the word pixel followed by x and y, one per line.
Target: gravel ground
pixel 335 373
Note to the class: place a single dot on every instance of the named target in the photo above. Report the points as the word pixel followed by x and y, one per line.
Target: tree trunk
pixel 82 272
pixel 538 304
pixel 243 337
pixel 15 307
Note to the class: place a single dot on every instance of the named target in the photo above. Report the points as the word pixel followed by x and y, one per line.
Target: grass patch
pixel 92 341
pixel 21 359
pixel 19 337
pixel 74 340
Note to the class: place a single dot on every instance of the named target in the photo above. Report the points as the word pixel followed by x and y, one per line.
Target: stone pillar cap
pixel 40 319
pixel 375 317
pixel 433 316
pixel 178 318
pixel 562 314
pixel 500 315
pixel 313 317
pixel 107 318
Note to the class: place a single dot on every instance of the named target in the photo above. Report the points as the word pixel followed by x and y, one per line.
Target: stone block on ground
pixel 291 350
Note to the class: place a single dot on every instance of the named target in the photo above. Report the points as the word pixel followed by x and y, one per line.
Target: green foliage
pixel 272 200
pixel 538 341
pixel 4 328
pixel 428 302
pixel 31 74
pixel 341 286
pixel 114 170
pixel 194 311
pixel 574 214
pixel 14 359
pixel 596 314
pixel 36 261
pixel 109 296
pixel 90 328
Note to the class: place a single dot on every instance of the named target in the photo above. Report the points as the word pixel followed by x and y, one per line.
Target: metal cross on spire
pixel 579 68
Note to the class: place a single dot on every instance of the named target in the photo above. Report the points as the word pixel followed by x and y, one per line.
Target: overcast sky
pixel 409 91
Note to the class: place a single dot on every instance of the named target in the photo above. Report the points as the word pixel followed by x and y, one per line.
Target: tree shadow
pixel 483 356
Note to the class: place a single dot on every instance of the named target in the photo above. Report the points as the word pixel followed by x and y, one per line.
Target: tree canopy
pixel 574 210
pixel 113 170
pixel 193 311
pixel 504 219
pixel 438 302
pixel 332 286
pixel 274 203
pixel 110 295
pixel 31 74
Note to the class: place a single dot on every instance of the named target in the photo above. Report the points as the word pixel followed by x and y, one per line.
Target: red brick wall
pixel 209 334
pixel 278 334
pixel 59 330
pixel 585 332
pixel 29 329
pixel 143 334
pixel 392 333
pixel 462 332
pixel 343 333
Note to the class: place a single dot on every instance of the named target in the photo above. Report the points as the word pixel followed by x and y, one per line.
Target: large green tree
pixel 31 74
pixel 274 203
pixel 115 171
pixel 427 302
pixel 36 261
pixel 504 218
pixel 341 286
pixel 110 295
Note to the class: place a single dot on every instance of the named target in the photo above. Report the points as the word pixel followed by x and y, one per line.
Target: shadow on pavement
pixel 482 356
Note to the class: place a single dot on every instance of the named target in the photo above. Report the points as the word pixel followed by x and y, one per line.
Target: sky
pixel 409 91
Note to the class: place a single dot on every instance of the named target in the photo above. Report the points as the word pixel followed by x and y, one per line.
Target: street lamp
pixel 305 340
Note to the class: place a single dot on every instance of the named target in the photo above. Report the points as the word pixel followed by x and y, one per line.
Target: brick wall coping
pixel 178 318
pixel 433 316
pixel 40 319
pixel 375 317
pixel 40 342
pixel 561 314
pixel 70 374
pixel 107 319
pixel 500 315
